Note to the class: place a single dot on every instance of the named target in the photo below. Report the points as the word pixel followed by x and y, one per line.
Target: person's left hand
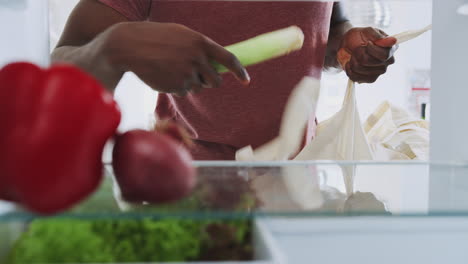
pixel 366 53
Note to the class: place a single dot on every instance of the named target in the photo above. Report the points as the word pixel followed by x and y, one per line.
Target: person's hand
pixel 170 58
pixel 366 53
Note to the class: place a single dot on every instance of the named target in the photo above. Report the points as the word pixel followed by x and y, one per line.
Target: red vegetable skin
pixel 54 124
pixel 152 167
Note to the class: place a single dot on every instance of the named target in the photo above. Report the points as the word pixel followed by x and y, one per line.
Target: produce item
pixel 225 190
pixel 60 241
pixel 107 235
pixel 266 46
pixel 55 123
pixel 152 167
pixel 132 241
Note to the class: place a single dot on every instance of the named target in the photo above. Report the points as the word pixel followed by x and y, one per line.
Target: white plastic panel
pixel 449 120
pixel 449 81
pixel 24 31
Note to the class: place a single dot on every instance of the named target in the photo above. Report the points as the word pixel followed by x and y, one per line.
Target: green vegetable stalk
pixel 266 46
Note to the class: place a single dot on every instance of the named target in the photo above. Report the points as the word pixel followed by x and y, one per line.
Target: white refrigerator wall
pixel 449 126
pixel 449 123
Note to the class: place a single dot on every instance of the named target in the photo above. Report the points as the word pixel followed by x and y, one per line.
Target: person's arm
pixel 365 53
pixel 168 57
pixel 339 26
pixel 78 44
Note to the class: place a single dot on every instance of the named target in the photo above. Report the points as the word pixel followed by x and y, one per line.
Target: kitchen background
pixel 410 71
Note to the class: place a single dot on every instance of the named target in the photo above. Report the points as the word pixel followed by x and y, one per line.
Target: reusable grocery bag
pixel 304 191
pixel 395 135
pixel 302 104
pixel 341 137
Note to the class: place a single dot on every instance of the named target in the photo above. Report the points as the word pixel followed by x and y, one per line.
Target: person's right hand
pixel 170 58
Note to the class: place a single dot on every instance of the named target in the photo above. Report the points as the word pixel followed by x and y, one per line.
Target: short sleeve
pixel 133 10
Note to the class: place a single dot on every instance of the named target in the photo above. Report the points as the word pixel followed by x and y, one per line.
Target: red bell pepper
pixel 54 124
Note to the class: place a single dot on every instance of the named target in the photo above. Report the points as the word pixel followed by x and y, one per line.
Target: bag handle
pixel 401 38
pixel 350 98
pixel 350 93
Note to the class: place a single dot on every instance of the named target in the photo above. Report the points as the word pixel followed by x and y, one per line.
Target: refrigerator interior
pixel 406 190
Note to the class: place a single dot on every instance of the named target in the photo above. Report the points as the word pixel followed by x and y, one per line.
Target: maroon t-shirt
pixel 233 116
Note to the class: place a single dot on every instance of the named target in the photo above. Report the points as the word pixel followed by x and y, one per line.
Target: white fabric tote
pixel 342 137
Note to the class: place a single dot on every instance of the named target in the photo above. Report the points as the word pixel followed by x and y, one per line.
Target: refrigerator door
pixel 449 82
pixel 449 121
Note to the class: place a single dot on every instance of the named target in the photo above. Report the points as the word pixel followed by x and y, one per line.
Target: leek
pixel 265 47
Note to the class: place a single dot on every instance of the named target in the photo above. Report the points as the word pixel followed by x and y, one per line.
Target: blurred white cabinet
pixel 24 28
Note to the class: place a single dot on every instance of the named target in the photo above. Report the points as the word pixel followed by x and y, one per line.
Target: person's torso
pixel 233 114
